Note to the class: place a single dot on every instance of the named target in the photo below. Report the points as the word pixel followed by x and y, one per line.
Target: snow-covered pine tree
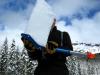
pixel 17 59
pixel 23 57
pixel 72 65
pixel 11 62
pixel 4 58
pixel 27 66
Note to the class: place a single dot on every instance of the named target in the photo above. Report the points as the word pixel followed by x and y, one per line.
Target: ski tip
pixel 90 55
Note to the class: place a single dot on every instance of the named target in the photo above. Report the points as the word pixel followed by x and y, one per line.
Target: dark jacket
pixel 52 64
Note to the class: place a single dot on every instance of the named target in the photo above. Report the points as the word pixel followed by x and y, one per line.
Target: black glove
pixel 51 45
pixel 28 45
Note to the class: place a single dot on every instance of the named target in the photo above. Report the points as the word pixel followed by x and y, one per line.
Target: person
pixel 50 62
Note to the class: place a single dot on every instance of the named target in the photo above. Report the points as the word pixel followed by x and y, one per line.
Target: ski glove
pixel 51 46
pixel 28 45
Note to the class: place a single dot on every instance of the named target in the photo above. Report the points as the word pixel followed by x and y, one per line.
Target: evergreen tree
pixel 14 59
pixel 27 66
pixel 11 62
pixel 17 59
pixel 23 62
pixel 4 58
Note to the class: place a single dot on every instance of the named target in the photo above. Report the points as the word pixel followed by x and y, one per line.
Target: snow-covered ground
pixel 87 47
pixel 84 66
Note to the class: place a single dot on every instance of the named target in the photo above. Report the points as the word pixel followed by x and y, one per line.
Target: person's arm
pixel 33 53
pixel 51 44
pixel 53 24
pixel 53 27
pixel 36 55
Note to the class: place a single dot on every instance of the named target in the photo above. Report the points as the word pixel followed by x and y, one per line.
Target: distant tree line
pixel 87 44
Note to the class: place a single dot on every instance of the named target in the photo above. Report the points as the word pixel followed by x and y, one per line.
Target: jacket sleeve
pixel 35 55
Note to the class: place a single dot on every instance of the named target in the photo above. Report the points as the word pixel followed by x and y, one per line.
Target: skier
pixel 50 62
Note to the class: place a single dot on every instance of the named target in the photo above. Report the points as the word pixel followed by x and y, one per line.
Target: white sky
pixel 85 30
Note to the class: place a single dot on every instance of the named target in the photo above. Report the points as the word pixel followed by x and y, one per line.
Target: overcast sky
pixel 81 18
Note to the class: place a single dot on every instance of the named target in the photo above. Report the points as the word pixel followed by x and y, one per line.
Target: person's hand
pixel 54 20
pixel 51 46
pixel 53 24
pixel 28 45
pixel 49 51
